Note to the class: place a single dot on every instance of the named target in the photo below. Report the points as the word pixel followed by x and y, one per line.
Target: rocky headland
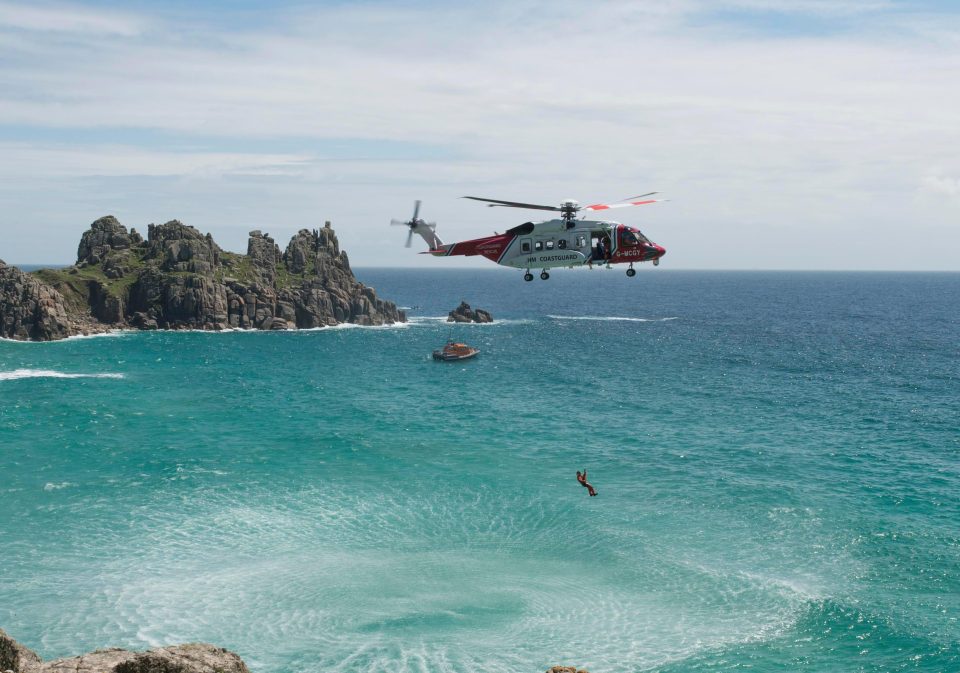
pixel 463 313
pixel 179 278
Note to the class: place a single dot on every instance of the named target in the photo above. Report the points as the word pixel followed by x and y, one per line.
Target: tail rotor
pixel 418 226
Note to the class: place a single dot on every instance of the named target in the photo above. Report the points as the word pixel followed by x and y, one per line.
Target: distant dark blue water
pixel 777 457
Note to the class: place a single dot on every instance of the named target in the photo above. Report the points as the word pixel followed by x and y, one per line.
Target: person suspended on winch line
pixel 582 478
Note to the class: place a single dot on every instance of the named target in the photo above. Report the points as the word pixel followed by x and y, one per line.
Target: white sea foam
pixel 50 486
pixel 609 318
pixel 114 333
pixel 427 320
pixel 350 325
pixel 77 337
pixel 243 330
pixel 51 374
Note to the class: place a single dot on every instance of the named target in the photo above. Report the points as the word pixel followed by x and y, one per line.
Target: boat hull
pixel 448 357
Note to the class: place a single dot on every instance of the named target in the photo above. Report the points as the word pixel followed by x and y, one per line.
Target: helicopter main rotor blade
pixel 399 223
pixel 641 196
pixel 607 206
pixel 409 238
pixel 492 203
pixel 416 209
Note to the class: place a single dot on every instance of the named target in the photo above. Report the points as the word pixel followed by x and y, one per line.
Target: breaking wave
pixel 350 325
pixel 609 318
pixel 76 337
pixel 51 374
pixel 435 319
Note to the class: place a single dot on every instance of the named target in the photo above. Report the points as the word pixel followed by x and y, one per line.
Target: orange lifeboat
pixel 455 351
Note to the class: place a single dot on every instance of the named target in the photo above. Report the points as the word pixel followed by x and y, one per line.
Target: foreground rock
pixel 179 278
pixel 192 658
pixel 463 313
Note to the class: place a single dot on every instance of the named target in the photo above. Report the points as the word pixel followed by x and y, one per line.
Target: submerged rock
pixel 180 278
pixel 463 313
pixel 190 658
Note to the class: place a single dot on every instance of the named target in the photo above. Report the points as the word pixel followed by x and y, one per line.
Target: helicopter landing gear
pixel 544 275
pixel 631 272
pixel 528 276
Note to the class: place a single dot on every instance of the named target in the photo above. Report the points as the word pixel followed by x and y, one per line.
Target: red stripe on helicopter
pixel 490 247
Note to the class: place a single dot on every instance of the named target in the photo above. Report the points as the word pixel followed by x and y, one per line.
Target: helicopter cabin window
pixel 581 242
pixel 525 245
pixel 562 244
pixel 538 246
pixel 550 244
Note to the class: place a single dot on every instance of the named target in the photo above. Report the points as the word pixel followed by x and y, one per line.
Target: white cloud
pixel 938 184
pixel 68 19
pixel 535 102
pixel 821 7
pixel 31 162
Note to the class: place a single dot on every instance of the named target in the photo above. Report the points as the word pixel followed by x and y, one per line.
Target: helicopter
pixel 564 241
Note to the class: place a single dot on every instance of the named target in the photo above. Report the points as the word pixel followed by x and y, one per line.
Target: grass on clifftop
pixel 241 268
pixel 74 282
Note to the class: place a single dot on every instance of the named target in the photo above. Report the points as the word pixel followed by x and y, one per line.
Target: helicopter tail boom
pixel 491 247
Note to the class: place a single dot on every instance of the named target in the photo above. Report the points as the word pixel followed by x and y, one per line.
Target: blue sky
pixel 799 134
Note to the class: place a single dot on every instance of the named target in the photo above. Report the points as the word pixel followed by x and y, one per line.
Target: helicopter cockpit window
pixel 562 244
pixel 550 244
pixel 538 246
pixel 629 238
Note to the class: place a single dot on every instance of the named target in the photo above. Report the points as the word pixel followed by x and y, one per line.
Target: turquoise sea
pixel 777 457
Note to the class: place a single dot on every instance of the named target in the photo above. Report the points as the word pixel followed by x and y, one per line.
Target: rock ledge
pixel 190 658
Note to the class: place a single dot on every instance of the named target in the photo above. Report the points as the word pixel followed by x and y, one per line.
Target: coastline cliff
pixel 178 278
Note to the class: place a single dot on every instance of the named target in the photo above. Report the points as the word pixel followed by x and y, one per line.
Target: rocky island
pixel 179 278
pixel 463 313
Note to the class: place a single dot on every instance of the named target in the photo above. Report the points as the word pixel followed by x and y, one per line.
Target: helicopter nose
pixel 660 251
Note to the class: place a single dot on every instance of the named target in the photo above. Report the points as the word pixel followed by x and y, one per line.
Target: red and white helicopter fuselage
pixel 561 242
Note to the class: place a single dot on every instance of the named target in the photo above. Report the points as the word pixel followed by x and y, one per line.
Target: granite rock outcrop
pixel 190 658
pixel 179 278
pixel 29 309
pixel 463 313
